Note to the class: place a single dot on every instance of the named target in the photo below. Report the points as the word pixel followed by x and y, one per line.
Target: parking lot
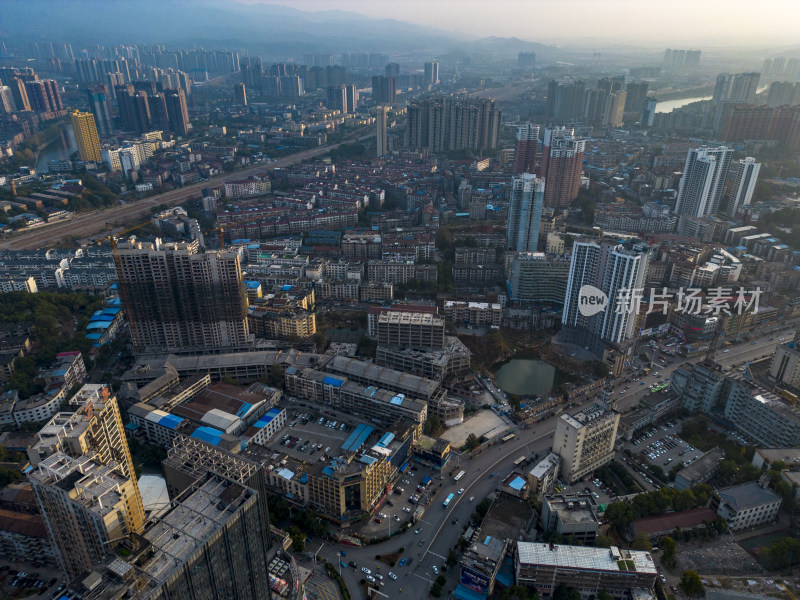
pixel 311 434
pixel 660 446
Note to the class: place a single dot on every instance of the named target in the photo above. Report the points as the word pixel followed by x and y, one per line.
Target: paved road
pixel 441 535
pixel 92 224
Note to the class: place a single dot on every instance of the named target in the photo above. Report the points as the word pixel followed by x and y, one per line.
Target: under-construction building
pixel 179 298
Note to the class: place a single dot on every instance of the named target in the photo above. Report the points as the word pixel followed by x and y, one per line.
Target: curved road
pixel 441 535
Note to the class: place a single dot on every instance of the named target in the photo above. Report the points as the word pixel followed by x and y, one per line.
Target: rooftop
pixel 669 521
pixel 181 531
pixel 747 495
pixel 703 465
pixel 584 557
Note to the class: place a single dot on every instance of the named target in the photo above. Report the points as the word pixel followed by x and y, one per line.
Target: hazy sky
pixel 698 23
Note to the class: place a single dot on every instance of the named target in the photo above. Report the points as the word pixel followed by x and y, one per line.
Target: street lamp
pixel 339 556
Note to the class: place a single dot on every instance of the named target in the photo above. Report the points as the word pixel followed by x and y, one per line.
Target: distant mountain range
pixel 267 29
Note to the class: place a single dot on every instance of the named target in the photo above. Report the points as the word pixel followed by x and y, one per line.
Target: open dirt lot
pixel 484 422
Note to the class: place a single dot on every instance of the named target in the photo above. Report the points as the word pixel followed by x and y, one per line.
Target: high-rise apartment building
pixel 88 507
pixel 441 124
pixel 20 93
pixel 566 100
pixel 526 148
pixel 703 182
pixel 178 297
pixel 636 94
pixel 212 541
pixel 538 279
pixel 561 165
pixel 783 93
pixel 743 184
pixel 337 98
pixel 384 89
pixel 525 212
pixel 381 136
pixel 85 130
pixel 351 93
pixel 98 104
pixel 84 480
pixel 44 95
pixel 240 94
pixel 432 73
pixel 736 87
pixel 178 112
pixel 585 441
pixel 649 112
pixel 616 269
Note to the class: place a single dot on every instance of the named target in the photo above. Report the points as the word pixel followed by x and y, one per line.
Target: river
pixel 670 105
pixel 57 149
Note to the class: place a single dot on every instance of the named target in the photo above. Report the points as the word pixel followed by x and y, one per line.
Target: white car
pixel 392 575
pixel 471 498
pixel 406 509
pixel 461 491
pixel 371 578
pixel 378 576
pixel 416 531
pixel 366 570
pixel 382 515
pixel 435 569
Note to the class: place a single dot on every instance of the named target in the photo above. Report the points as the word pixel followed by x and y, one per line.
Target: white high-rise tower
pixel 525 212
pixel 743 185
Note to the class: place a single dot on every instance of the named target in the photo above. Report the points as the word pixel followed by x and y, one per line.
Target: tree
pixel 642 542
pixel 668 549
pixel 432 424
pixel 298 539
pixel 619 515
pixel 472 442
pixel 604 541
pixel 604 595
pixel 520 592
pixel 691 584
pixel 562 592
pixel 515 402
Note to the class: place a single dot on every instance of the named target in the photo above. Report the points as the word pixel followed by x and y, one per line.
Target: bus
pixel 520 460
pixel 508 438
pixel 459 476
pixel 447 500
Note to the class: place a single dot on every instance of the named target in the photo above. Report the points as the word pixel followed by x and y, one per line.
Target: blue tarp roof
pixel 426 480
pixel 252 284
pixel 208 434
pixel 98 325
pixel 94 336
pixel 334 381
pixel 243 410
pixel 132 426
pixel 517 484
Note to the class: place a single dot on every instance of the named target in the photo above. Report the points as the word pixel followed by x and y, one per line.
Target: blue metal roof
pixel 357 438
pixel 94 336
pixel 98 325
pixel 208 434
pixel 244 409
pixel 334 381
pixel 170 421
pixel 385 440
pixel 252 284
